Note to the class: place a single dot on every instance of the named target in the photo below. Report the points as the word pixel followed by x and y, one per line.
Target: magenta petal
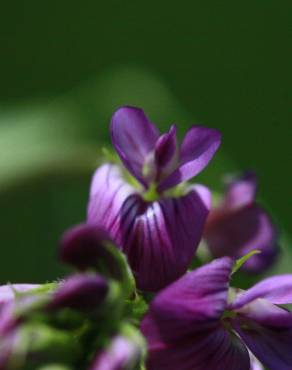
pixel 197 149
pixel 133 137
pixel 241 191
pixel 276 289
pixel 272 346
pixel 162 234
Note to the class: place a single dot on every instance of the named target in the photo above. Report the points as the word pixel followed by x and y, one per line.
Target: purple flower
pixel 122 354
pixel 239 225
pixel 151 157
pixel 160 235
pixel 199 323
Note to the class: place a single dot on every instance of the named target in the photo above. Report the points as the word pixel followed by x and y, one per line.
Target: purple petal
pixel 254 362
pixel 7 317
pixel 163 234
pixel 7 343
pixel 122 354
pixel 166 150
pixel 80 292
pixel 266 313
pixel 272 346
pixel 197 149
pixel 86 246
pixel 241 191
pixel 8 295
pixel 8 292
pixel 133 137
pixel 216 349
pixel 237 232
pixel 191 304
pixel 182 326
pixel 276 289
pixel 108 192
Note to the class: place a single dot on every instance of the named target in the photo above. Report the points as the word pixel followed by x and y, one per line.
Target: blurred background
pixel 65 67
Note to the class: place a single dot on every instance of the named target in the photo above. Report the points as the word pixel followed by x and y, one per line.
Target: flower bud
pixel 80 292
pixel 90 247
pixel 34 344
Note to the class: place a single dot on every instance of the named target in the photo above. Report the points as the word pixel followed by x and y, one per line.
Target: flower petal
pixel 80 292
pixel 166 153
pixel 276 289
pixel 108 193
pixel 197 149
pixel 182 325
pixel 163 234
pixel 272 346
pixel 133 137
pixel 236 233
pixel 122 354
pixel 254 362
pixel 7 343
pixel 216 350
pixel 191 304
pixel 8 292
pixel 241 191
pixel 84 245
pixel 266 313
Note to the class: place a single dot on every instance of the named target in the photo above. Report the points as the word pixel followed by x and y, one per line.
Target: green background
pixel 66 66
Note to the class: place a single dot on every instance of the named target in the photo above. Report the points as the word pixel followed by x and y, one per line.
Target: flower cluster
pixel 78 323
pixel 135 302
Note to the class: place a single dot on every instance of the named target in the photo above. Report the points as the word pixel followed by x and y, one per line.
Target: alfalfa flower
pixel 239 224
pixel 158 230
pixel 199 322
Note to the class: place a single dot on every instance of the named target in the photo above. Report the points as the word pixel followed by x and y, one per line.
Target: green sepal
pixel 136 308
pixel 38 343
pixel 239 262
pixel 114 265
pixel 54 367
pixel 135 336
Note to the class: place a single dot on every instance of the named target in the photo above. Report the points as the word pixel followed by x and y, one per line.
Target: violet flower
pixel 151 157
pixel 199 323
pixel 157 230
pixel 239 225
